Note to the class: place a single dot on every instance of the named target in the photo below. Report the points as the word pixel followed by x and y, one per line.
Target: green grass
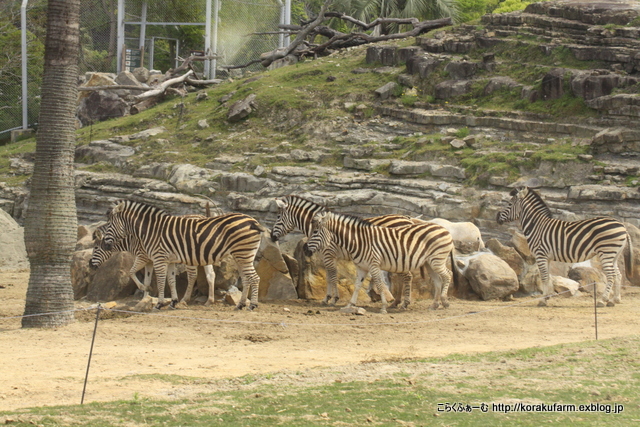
pixel 460 390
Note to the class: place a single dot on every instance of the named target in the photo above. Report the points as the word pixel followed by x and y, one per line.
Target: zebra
pixel 141 260
pixel 394 249
pixel 569 241
pixel 168 239
pixel 297 212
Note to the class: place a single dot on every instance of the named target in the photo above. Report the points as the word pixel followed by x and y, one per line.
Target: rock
pixel 457 143
pixel 13 253
pixel 191 179
pixel 499 83
pixel 461 70
pixel 232 297
pixel 241 109
pixel 490 277
pixel 227 277
pixel 202 124
pixel 365 164
pixel 553 84
pixel 404 167
pixel 565 287
pixel 528 274
pixel 127 78
pixel 452 88
pixel 275 281
pixel 141 74
pixel 104 151
pixel 111 280
pixel 101 105
pixel 148 133
pixel 466 235
pixel 387 90
pixel 587 276
pixel 423 66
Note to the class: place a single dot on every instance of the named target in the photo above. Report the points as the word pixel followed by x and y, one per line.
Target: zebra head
pixel 115 229
pixel 513 210
pixel 100 254
pixel 320 235
pixel 294 212
pixel 284 223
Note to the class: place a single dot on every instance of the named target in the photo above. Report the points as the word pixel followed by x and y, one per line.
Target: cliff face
pixel 552 52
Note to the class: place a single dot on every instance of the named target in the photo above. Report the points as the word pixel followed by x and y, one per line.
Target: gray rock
pixel 461 70
pixel 241 109
pixel 452 88
pixel 104 151
pixel 387 90
pixel 101 105
pixel 490 277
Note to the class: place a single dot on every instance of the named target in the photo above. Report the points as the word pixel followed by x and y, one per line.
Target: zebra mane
pixel 538 202
pixel 299 201
pixel 130 205
pixel 353 219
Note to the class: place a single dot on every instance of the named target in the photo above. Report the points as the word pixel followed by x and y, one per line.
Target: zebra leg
pixel 543 266
pixel 442 275
pixel 330 265
pixel 617 295
pixel 406 290
pixel 437 288
pixel 161 277
pixel 376 278
pixel 171 278
pixel 192 275
pixel 139 264
pixel 360 275
pixel 250 281
pixel 211 280
pixel 610 268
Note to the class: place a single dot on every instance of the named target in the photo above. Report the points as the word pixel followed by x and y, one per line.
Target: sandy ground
pixel 47 367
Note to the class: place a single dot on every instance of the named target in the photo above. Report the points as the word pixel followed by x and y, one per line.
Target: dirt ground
pixel 47 367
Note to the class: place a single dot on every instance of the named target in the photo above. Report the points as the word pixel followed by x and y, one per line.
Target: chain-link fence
pixel 173 30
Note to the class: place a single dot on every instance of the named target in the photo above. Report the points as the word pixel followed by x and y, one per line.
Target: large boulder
pixel 110 281
pixel 491 277
pixel 528 274
pixel 101 105
pixel 275 280
pixel 466 235
pixel 13 254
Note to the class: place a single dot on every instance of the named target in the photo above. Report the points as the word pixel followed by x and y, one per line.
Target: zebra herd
pixel 393 243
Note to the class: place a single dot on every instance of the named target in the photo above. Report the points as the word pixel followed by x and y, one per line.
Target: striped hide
pixel 194 241
pixel 141 260
pixel 569 241
pixel 397 250
pixel 295 212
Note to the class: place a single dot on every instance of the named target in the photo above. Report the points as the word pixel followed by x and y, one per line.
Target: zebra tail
pixel 628 262
pixel 454 271
pixel 258 227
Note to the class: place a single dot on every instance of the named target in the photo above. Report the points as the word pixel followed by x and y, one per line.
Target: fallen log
pixel 159 90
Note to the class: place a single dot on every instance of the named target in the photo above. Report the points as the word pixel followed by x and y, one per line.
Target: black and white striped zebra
pixel 297 212
pixel 168 239
pixel 552 239
pixel 397 250
pixel 141 260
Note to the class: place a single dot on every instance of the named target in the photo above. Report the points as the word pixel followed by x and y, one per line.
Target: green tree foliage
pixel 11 63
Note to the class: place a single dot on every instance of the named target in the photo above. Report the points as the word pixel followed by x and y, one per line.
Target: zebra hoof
pixel 617 300
pixel 173 304
pixel 158 306
pixel 434 306
pixel 610 304
pixel 542 303
pixel 405 305
pixel 445 303
pixel 600 304
pixel 383 311
pixel 252 307
pixel 240 306
pixel 326 300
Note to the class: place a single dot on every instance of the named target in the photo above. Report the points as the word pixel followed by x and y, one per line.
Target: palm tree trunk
pixel 51 223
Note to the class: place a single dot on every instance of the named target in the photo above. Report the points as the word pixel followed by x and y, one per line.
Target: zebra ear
pixel 281 204
pixel 118 208
pixel 97 234
pixel 514 192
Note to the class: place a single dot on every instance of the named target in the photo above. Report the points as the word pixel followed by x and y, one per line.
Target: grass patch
pixel 547 384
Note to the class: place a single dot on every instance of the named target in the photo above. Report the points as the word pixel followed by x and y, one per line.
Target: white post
pixel 120 25
pixel 287 20
pixel 25 93
pixel 207 40
pixel 282 13
pixel 153 45
pixel 143 31
pixel 216 11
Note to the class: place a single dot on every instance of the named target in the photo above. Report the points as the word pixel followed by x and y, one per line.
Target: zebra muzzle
pixel 308 252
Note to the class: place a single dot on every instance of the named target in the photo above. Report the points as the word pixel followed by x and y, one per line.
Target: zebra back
pixel 397 249
pixel 191 240
pixel 297 212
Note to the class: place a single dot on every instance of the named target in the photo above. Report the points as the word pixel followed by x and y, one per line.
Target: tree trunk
pixel 51 223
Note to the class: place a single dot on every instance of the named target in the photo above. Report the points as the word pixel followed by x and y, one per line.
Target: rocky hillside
pixel 437 126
